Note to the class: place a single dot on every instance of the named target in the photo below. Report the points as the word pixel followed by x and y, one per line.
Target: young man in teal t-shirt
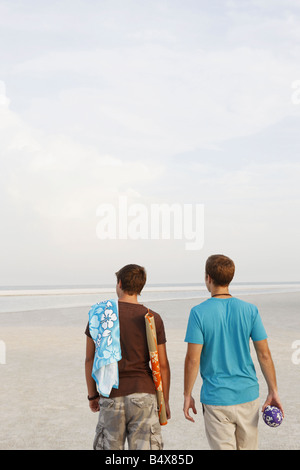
pixel 218 335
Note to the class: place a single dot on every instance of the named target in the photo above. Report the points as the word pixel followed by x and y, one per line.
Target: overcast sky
pixel 167 101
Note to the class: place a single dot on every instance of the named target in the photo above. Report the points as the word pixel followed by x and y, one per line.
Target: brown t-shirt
pixel 135 375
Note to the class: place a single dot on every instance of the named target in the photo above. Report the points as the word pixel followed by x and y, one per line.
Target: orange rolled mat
pixel 154 359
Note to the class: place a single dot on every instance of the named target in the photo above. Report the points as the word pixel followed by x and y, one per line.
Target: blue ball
pixel 272 416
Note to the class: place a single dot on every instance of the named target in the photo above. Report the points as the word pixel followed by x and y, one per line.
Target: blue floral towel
pixel 105 330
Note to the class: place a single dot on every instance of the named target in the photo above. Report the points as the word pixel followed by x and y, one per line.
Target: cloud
pixel 54 178
pixel 4 101
pixel 50 188
pixel 154 101
pixel 152 89
pixel 170 102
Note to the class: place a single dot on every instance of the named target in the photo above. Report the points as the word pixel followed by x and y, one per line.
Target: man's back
pixel 224 327
pixel 134 371
pixel 135 375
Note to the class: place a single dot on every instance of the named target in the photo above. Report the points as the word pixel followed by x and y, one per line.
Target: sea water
pixel 25 298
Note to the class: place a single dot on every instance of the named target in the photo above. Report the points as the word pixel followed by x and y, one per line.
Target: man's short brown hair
pixel 221 269
pixel 133 278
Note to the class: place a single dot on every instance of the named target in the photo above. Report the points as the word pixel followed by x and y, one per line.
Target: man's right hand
pixel 189 402
pixel 273 400
pixel 94 405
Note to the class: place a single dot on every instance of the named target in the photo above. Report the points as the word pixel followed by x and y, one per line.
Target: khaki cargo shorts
pixel 133 417
pixel 232 427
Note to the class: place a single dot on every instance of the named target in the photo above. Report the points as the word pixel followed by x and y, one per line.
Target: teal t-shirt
pixel 224 327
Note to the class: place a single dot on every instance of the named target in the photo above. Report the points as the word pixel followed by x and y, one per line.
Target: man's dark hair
pixel 133 278
pixel 221 269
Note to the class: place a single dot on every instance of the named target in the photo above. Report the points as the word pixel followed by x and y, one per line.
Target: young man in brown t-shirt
pixel 131 409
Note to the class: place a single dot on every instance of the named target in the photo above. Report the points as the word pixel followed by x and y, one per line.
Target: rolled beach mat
pixel 155 366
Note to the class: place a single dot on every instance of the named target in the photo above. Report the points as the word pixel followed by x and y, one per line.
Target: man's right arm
pixel 267 367
pixel 191 370
pixel 91 384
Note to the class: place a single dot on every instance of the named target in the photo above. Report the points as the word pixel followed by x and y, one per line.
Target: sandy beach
pixel 43 392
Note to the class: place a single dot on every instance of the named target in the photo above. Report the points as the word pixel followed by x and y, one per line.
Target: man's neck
pixel 220 292
pixel 128 298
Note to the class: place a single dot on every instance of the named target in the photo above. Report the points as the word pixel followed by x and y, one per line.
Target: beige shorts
pixel 232 427
pixel 133 417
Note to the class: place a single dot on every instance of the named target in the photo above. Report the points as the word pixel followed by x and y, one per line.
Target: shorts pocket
pixel 98 443
pixel 145 401
pixel 106 403
pixel 156 442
